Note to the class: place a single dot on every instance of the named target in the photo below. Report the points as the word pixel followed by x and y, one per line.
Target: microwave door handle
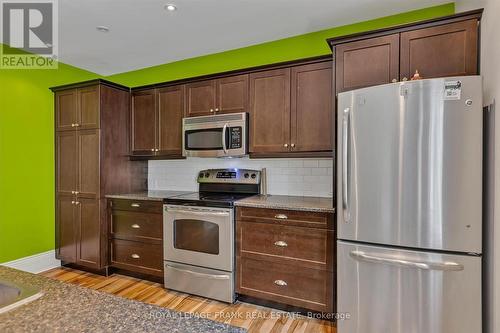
pixel 224 146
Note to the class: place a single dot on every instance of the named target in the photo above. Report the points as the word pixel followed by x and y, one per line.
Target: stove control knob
pixel 201 175
pixel 207 175
pixel 254 176
pixel 246 175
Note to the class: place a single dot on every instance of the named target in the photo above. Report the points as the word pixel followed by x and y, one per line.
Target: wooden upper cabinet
pixel 232 94
pixel 200 98
pixel 170 114
pixel 445 50
pixel 66 109
pixel 312 108
pixel 367 62
pixel 88 107
pixel 270 111
pixel 144 122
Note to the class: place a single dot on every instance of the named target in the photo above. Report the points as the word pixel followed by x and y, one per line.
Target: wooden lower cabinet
pixel 287 257
pixel 136 236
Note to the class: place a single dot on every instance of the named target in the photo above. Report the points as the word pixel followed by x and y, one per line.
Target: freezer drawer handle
pixel 210 276
pixel 427 265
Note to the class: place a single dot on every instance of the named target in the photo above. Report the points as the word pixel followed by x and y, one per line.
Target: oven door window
pixel 196 235
pixel 203 139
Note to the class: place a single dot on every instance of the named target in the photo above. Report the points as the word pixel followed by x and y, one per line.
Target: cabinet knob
pixel 280 283
pixel 157 150
pixel 77 202
pixel 135 226
pixel 280 216
pixel 405 79
pixel 285 145
pixel 135 256
pixel 394 80
pixel 216 109
pixel 211 110
pixel 136 205
pixel 152 149
pixel 73 202
pixel 281 243
pixel 293 145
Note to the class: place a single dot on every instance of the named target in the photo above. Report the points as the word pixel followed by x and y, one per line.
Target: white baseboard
pixel 36 263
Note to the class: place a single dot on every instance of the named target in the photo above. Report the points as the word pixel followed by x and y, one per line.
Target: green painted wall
pixel 27 158
pixel 27 118
pixel 303 46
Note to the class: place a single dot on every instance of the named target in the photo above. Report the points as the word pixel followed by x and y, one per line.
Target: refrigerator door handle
pixel 345 165
pixel 426 265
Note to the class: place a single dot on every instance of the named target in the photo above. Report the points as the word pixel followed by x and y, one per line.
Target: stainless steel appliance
pixel 223 135
pixel 409 211
pixel 199 233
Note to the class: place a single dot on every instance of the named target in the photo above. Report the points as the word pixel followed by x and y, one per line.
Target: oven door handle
pixel 210 276
pixel 224 130
pixel 200 212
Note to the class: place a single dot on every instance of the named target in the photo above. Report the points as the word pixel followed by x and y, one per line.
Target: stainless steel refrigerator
pixel 409 207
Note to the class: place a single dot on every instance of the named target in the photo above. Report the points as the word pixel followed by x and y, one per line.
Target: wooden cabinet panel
pixel 66 162
pixel 200 98
pixel 270 111
pixel 137 256
pixel 66 229
pixel 446 50
pixel 170 114
pixel 286 217
pixel 137 225
pixel 306 288
pixel 88 163
pixel 147 206
pixel 144 122
pixel 88 110
pixel 312 108
pixel 66 109
pixel 367 62
pixel 232 94
pixel 89 224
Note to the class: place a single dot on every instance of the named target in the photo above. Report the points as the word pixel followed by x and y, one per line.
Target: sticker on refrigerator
pixel 452 90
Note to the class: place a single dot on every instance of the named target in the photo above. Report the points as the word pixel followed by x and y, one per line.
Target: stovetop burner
pixel 213 199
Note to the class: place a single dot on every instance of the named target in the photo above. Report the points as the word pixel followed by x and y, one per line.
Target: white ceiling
pixel 143 34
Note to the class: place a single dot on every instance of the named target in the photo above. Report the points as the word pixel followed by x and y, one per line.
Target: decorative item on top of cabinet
pixel 286 256
pixel 223 95
pixel 157 123
pixel 92 132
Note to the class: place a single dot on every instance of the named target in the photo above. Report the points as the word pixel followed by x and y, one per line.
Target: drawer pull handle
pixel 280 283
pixel 136 205
pixel 280 216
pixel 281 244
pixel 135 256
pixel 135 226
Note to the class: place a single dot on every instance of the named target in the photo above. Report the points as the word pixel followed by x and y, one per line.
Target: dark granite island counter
pixel 69 308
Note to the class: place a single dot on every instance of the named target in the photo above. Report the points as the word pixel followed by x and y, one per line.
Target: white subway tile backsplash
pixel 301 177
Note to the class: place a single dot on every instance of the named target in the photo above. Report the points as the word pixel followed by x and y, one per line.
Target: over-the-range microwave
pixel 222 135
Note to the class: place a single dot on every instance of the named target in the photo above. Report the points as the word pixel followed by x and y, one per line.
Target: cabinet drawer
pixel 144 226
pixel 286 217
pixel 137 256
pixel 306 288
pixel 308 246
pixel 137 205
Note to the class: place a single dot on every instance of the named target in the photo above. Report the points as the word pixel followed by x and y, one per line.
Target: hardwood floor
pixel 255 319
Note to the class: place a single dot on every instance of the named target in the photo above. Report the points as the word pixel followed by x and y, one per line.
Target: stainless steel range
pixel 199 233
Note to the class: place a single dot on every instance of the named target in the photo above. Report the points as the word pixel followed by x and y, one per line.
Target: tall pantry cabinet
pixel 91 159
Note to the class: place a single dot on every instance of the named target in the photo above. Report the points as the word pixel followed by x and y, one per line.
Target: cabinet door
pixel 88 163
pixel 232 94
pixel 200 98
pixel 66 162
pixel 312 108
pixel 89 231
pixel 270 111
pixel 366 63
pixel 144 122
pixel 170 114
pixel 446 50
pixel 66 109
pixel 65 229
pixel 88 107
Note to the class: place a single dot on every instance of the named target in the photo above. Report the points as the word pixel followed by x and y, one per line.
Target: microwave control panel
pixel 235 138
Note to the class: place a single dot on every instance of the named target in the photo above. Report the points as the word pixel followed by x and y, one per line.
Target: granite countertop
pixel 311 204
pixel 148 195
pixel 70 308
